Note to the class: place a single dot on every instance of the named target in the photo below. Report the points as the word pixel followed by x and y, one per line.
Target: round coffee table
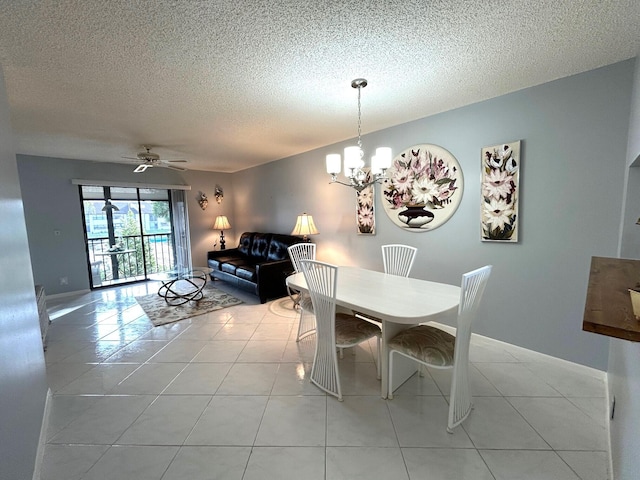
pixel 182 285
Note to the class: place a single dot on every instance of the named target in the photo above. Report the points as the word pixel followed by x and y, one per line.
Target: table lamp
pixel 221 224
pixel 305 226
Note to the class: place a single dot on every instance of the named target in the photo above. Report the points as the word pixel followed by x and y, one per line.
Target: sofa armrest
pixel 271 278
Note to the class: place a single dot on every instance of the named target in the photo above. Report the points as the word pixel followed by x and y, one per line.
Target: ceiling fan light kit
pixel 149 159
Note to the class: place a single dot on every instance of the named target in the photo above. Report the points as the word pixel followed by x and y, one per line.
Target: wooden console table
pixel 608 310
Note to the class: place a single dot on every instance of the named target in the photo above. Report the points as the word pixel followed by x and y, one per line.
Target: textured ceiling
pixel 231 84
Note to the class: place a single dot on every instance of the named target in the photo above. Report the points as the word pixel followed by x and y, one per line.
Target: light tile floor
pixel 226 396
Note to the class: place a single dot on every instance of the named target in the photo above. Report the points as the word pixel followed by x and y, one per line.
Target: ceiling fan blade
pixel 141 168
pixel 130 158
pixel 176 161
pixel 173 167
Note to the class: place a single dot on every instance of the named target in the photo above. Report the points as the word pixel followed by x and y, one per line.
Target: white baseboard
pixel 594 372
pixel 67 294
pixel 37 470
pixel 609 401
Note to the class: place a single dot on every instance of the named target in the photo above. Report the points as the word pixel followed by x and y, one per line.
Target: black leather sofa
pixel 259 264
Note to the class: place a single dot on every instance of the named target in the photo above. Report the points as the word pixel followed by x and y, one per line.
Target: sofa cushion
pixel 216 262
pixel 260 246
pixel 278 246
pixel 247 272
pixel 244 245
pixel 228 268
pixel 232 265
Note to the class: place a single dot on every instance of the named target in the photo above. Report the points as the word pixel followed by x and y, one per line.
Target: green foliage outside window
pixel 161 209
pixel 132 240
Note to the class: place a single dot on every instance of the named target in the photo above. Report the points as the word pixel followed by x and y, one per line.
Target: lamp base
pixel 222 242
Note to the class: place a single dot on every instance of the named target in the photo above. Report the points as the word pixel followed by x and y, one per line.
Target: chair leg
pixel 379 366
pixel 324 372
pixel 450 429
pixel 460 400
pixel 294 295
pixel 390 377
pixel 306 325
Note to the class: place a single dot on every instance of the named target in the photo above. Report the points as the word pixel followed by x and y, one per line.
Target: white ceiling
pixel 229 84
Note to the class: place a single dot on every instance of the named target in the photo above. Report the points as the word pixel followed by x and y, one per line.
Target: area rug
pixel 284 308
pixel 160 313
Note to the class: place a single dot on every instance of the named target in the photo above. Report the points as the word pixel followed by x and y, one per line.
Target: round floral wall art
pixel 423 188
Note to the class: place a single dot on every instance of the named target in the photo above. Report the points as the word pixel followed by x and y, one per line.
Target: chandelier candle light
pixel 353 157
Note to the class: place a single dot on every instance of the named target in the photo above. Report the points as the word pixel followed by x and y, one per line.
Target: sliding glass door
pixel 129 233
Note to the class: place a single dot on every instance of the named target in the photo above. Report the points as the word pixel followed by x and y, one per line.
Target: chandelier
pixel 353 157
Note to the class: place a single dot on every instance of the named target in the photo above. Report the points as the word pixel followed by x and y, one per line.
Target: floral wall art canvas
pixel 500 192
pixel 365 218
pixel 423 188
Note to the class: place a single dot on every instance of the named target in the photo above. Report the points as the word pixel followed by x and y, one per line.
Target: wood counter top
pixel 608 310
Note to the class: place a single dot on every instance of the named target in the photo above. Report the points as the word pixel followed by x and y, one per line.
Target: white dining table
pixel 400 302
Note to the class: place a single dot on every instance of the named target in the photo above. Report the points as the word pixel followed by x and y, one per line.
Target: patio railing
pixel 130 263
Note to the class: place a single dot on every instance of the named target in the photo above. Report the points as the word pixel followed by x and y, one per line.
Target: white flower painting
pixel 365 218
pixel 423 188
pixel 500 192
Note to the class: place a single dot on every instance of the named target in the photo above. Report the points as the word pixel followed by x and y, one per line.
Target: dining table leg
pixel 403 368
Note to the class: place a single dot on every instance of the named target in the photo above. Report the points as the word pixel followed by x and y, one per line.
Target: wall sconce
pixel 203 201
pixel 221 224
pixel 219 194
pixel 305 226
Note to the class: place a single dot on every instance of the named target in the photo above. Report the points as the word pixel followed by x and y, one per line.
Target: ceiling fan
pixel 148 159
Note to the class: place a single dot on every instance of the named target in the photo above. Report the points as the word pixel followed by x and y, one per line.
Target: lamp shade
pixel 305 226
pixel 221 223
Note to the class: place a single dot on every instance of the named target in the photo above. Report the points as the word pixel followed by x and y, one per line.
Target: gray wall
pixel 23 384
pixel 203 237
pixel 624 367
pixel 574 134
pixel 52 203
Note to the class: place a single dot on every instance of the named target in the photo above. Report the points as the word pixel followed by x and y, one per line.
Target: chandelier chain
pixel 360 122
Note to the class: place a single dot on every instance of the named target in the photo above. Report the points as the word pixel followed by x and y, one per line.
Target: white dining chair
pixel 398 259
pixel 436 348
pixel 333 330
pixel 306 323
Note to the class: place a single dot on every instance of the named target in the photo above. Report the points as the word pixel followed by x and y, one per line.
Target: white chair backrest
pixel 472 288
pixel 398 259
pixel 300 251
pixel 321 281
